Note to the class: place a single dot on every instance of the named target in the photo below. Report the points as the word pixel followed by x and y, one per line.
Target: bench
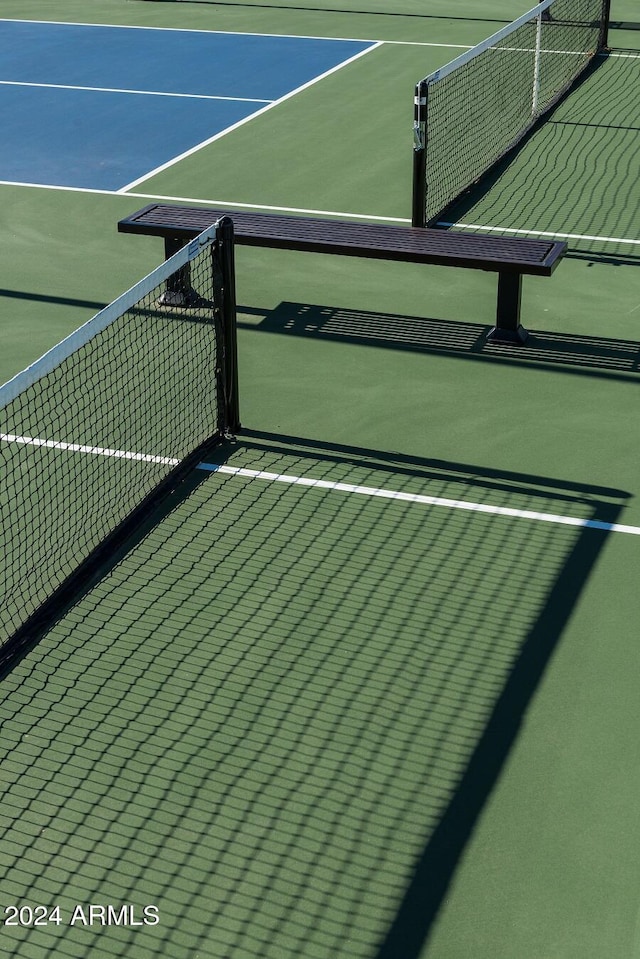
pixel 510 257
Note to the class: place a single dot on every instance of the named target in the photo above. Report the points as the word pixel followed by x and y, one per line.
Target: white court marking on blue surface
pixel 143 93
pixel 240 123
pixel 52 68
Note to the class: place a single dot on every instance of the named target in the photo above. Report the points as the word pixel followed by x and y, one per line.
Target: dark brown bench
pixel 510 257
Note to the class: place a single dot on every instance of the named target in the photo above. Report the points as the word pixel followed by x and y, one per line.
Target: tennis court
pixel 364 682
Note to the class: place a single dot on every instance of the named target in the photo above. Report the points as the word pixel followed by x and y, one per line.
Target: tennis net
pixel 94 432
pixel 473 111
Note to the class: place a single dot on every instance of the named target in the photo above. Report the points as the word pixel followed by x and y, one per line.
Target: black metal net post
pixel 604 31
pixel 418 212
pixel 229 367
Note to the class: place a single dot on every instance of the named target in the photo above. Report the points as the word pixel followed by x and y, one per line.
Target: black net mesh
pixel 87 443
pixel 479 111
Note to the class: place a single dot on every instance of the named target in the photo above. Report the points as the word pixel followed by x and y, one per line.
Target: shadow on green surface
pixel 571 353
pixel 105 557
pixel 608 259
pixel 436 866
pixel 369 13
pixel 56 300
pixel 503 481
pixel 570 176
pixel 480 690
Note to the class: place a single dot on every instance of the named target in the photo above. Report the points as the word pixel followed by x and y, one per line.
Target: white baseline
pixel 420 498
pixel 311 483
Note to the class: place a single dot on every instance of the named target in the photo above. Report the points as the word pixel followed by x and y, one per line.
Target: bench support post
pixel 508 328
pixel 178 288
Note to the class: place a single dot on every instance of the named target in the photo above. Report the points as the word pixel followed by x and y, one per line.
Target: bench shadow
pixel 572 353
pixel 602 257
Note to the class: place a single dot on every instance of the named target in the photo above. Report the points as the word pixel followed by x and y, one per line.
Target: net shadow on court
pixel 48 298
pixel 279 715
pixel 571 173
pixel 530 67
pixel 487 181
pixel 574 354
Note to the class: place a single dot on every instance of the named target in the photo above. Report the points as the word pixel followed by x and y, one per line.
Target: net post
pixel 536 68
pixel 229 371
pixel 508 328
pixel 604 29
pixel 419 200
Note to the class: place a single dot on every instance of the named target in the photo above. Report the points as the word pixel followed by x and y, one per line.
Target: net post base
pixel 508 328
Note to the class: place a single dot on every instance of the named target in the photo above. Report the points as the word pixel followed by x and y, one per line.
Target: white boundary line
pixel 243 33
pixel 201 202
pixel 58 186
pixel 218 33
pixel 145 93
pixel 283 36
pixel 94 450
pixel 425 43
pixel 338 214
pixel 311 483
pixel 543 233
pixel 419 498
pixel 274 209
pixel 252 116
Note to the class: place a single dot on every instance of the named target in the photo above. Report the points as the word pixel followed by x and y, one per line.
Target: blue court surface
pixel 101 107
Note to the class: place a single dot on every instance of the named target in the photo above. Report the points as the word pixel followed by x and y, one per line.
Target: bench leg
pixel 178 289
pixel 508 328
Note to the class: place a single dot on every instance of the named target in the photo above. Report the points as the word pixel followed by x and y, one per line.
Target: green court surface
pixel 367 686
